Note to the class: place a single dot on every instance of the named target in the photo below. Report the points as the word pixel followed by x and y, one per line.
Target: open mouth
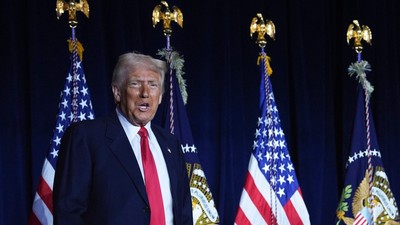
pixel 144 107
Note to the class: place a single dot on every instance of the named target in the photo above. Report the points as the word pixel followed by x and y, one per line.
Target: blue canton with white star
pixel 66 115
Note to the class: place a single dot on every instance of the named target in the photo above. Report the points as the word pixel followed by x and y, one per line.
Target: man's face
pixel 139 96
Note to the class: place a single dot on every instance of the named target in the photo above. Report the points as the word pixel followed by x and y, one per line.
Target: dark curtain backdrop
pixel 314 94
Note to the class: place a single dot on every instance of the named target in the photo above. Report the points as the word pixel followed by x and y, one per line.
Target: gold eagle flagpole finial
pixel 162 12
pixel 259 26
pixel 72 7
pixel 359 33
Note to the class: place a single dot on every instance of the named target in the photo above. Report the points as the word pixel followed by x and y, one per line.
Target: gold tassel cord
pixel 79 47
pixel 267 63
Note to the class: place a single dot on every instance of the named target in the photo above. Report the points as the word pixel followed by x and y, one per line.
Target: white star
pixel 269 121
pixel 262 144
pixel 276 156
pixel 290 167
pixel 290 179
pixel 91 116
pixel 280 132
pixel 282 156
pixel 69 78
pixel 67 90
pixel 257 133
pixel 187 148
pixel 78 64
pixel 271 97
pixel 65 103
pixel 360 154
pixel 282 144
pixel 255 145
pixel 82 116
pixel 57 140
pixel 266 168
pixel 282 168
pixel 281 192
pixel 54 153
pixel 269 109
pixel 194 148
pixel 83 103
pixel 269 144
pixel 268 156
pixel 84 91
pixel 60 128
pixel 259 121
pixel 276 143
pixel 264 132
pixel 355 156
pixel 273 181
pixel 71 117
pixel 281 179
pixel 270 132
pixel 62 116
pixel 259 156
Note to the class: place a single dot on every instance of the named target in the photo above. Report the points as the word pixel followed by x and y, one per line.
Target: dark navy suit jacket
pixel 98 180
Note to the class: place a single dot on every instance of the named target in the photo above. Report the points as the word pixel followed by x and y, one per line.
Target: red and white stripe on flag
pixel 255 202
pixel 42 209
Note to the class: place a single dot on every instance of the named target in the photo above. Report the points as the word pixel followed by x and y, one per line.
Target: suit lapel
pixel 170 160
pixel 122 150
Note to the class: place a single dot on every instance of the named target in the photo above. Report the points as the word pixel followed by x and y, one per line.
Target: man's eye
pixel 153 84
pixel 134 84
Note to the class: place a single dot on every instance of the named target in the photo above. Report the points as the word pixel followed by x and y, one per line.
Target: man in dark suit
pixel 100 176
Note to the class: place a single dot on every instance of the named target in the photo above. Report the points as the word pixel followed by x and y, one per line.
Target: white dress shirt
pixel 131 132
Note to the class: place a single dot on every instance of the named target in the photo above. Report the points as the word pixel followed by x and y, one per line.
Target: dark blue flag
pixel 75 105
pixel 366 197
pixel 176 120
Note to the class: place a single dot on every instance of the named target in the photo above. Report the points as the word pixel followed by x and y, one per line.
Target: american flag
pixel 271 193
pixel 365 174
pixel 75 105
pixel 176 120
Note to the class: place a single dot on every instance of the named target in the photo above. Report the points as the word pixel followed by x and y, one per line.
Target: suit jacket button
pixel 146 209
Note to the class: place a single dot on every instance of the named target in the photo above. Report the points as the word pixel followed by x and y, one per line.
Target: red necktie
pixel 153 189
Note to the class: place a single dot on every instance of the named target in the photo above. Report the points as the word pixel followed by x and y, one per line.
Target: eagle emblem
pixel 72 7
pixel 383 206
pixel 162 12
pixel 259 26
pixel 359 33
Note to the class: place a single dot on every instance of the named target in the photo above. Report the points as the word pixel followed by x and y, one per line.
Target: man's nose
pixel 144 90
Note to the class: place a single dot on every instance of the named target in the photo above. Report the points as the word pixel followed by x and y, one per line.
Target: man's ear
pixel 116 93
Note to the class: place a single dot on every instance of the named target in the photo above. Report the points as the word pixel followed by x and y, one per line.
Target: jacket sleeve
pixel 72 178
